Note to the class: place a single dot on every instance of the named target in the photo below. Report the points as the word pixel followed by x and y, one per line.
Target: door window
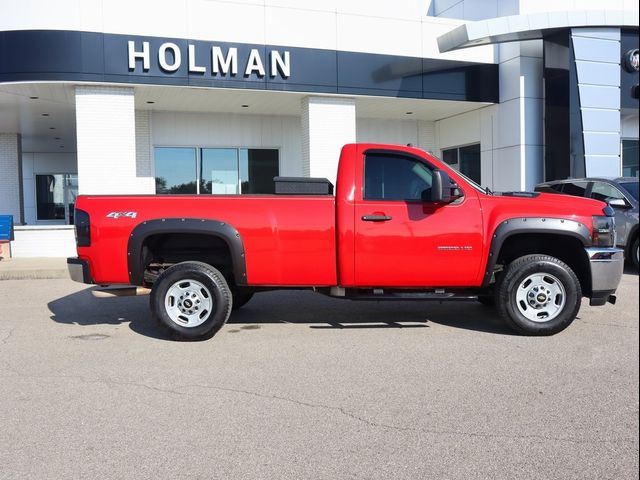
pixel 605 192
pixel 577 189
pixel 391 177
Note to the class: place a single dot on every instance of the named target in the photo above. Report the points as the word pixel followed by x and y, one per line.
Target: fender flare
pixel 519 225
pixel 214 228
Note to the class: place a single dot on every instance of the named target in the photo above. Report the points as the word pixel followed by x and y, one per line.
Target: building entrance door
pixel 56 197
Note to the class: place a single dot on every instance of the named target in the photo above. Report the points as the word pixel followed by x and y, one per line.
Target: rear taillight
pixel 83 228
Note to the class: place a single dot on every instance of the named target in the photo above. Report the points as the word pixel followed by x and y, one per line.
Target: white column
pixel 597 54
pixel 106 133
pixel 427 137
pixel 10 181
pixel 328 123
pixel 518 152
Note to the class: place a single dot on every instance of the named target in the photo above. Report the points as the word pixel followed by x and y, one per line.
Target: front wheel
pixel 538 295
pixel 192 300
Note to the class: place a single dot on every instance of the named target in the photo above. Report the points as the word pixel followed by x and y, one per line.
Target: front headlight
pixel 603 233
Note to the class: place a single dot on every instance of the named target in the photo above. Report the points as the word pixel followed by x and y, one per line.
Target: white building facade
pixel 218 97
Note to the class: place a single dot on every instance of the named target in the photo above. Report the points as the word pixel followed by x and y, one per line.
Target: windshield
pixel 632 188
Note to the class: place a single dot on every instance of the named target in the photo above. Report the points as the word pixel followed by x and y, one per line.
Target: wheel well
pixel 160 251
pixel 568 249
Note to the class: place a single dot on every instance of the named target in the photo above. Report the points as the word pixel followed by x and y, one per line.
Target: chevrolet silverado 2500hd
pixel 402 225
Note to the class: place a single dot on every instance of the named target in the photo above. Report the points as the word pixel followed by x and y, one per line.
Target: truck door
pixel 402 240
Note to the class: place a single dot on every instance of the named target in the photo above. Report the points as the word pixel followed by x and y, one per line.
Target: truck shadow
pixel 82 308
pixel 294 307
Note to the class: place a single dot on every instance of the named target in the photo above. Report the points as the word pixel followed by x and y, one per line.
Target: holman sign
pixel 74 56
pixel 223 61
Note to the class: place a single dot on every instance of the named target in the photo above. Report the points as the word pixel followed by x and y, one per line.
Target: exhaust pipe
pixel 110 292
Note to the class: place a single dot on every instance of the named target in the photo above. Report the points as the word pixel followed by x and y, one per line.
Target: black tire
pixel 633 254
pixel 199 304
pixel 241 297
pixel 548 279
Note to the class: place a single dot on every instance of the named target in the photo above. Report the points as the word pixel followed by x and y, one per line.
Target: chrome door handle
pixel 376 218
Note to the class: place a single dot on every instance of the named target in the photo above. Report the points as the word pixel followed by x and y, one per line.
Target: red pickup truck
pixel 402 225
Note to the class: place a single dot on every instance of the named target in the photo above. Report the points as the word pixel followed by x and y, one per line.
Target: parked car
pixel 621 193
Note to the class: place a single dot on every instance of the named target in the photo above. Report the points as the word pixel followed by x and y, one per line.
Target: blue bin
pixel 6 228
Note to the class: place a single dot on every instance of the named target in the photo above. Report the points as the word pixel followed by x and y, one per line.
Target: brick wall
pixel 106 130
pixel 327 124
pixel 10 182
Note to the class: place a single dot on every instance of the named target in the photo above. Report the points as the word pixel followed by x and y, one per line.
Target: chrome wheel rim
pixel 188 303
pixel 540 297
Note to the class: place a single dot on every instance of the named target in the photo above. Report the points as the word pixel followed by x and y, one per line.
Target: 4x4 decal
pixel 122 214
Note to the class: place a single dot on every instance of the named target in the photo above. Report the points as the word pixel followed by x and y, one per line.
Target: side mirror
pixel 618 203
pixel 443 190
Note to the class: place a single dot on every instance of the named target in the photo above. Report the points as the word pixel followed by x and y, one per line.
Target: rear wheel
pixel 538 295
pixel 191 299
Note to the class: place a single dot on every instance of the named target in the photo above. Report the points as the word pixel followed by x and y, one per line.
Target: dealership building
pixel 220 96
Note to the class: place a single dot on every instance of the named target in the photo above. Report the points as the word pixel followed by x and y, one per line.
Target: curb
pixel 37 268
pixel 33 274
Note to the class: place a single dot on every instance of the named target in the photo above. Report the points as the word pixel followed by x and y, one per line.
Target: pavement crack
pixel 340 410
pixel 344 412
pixel 6 338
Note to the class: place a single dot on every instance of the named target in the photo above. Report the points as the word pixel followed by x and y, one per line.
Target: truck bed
pixel 288 240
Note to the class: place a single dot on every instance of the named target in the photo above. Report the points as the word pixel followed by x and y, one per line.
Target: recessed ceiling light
pixel 245 106
pixel 45 114
pixel 34 98
pixel 150 102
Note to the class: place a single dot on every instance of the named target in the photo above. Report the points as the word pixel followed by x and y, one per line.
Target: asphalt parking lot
pixel 299 386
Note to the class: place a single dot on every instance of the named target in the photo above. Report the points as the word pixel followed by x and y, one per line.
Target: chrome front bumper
pixel 606 266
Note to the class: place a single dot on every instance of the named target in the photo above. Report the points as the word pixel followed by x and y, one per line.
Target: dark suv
pixel 621 193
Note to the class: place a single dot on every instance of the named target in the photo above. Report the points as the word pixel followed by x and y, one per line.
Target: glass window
pixel 629 158
pixel 576 189
pixel 632 188
pixel 549 187
pixel 175 170
pixel 219 171
pixel 465 159
pixel 258 166
pixel 605 192
pixel 389 177
pixel 470 161
pixel 450 157
pixel 56 196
